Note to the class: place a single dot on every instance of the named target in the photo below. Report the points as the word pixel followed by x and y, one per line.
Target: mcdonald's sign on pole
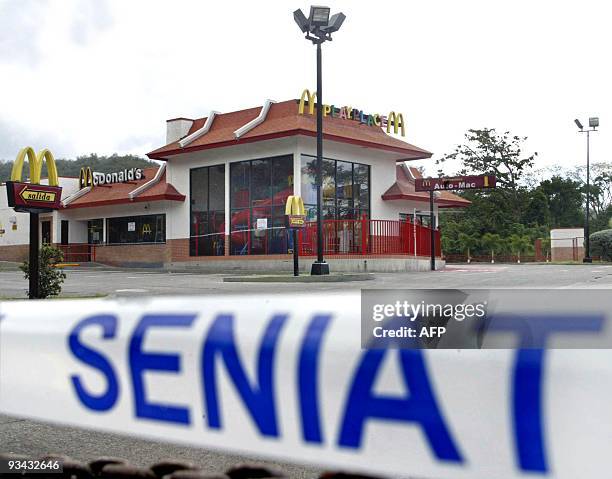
pixel 296 215
pixel 294 210
pixel 32 197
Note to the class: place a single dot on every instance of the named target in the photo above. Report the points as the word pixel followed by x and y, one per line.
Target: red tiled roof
pixel 118 193
pixel 284 120
pixel 403 189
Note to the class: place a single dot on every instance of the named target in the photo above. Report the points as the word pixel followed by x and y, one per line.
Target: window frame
pixel 335 206
pixel 290 158
pixel 192 252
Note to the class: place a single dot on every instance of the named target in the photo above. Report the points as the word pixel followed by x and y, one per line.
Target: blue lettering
pixel 258 399
pixel 420 407
pixel 528 379
pixel 107 399
pixel 141 362
pixel 308 378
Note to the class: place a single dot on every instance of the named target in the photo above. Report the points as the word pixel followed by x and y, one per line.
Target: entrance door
pixel 45 232
pixel 64 237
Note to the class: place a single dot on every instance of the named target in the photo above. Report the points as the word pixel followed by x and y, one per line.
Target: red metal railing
pixel 371 237
pixel 78 252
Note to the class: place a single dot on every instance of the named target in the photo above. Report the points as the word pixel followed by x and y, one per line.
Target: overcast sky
pixel 81 76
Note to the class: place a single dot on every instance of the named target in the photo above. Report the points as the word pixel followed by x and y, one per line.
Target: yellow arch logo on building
pixel 397 120
pixel 294 206
pixel 311 102
pixel 85 177
pixel 36 163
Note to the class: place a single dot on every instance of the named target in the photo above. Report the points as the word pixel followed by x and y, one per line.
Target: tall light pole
pixel 318 28
pixel 593 124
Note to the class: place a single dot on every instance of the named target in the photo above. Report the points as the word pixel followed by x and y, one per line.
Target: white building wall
pixel 8 219
pixel 565 237
pixel 408 207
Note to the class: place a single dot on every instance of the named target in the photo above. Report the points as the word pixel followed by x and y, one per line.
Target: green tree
pixel 600 191
pixel 537 211
pixel 564 200
pixel 67 167
pixel 601 243
pixel 491 242
pixel 467 243
pixel 50 277
pixel 487 152
pixel 519 244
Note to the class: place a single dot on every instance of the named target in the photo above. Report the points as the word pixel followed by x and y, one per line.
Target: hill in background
pixel 102 164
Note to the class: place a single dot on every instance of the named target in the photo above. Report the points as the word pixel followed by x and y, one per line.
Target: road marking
pixel 134 290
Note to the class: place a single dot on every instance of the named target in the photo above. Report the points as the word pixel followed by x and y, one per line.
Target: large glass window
pixel 259 191
pixel 94 231
pixel 136 229
pixel 346 189
pixel 207 233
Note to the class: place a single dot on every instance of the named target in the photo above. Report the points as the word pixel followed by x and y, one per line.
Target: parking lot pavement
pixel 36 439
pixel 95 281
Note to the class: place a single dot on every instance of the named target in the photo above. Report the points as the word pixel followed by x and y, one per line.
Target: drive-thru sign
pixel 455 183
pixel 449 184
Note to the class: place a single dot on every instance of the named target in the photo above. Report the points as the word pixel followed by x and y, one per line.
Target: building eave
pixel 412 154
pixel 127 201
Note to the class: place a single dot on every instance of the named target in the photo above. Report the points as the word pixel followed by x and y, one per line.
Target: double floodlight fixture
pixel 593 123
pixel 318 27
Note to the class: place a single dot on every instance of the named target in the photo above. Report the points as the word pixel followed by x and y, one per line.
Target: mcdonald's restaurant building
pixel 217 199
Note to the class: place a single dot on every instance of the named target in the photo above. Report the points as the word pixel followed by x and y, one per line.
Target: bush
pixel 601 244
pixel 50 277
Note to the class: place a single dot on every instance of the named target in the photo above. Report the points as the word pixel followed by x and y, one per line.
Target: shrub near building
pixel 601 244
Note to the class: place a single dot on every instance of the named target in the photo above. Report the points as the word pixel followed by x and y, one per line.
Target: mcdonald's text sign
pixel 30 197
pixel 454 183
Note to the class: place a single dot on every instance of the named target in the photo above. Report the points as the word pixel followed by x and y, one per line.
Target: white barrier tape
pixel 285 378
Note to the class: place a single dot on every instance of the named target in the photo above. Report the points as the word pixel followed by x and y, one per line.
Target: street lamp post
pixel 593 124
pixel 318 28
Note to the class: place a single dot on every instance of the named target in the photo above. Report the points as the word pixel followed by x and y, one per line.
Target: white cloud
pixel 104 77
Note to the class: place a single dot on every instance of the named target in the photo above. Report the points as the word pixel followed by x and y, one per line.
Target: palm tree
pixel 466 243
pixel 491 242
pixel 519 243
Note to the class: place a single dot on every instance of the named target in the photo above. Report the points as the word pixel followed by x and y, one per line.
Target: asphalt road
pixel 34 438
pixel 95 281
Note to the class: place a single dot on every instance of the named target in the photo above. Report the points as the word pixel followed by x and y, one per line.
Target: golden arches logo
pixel 85 177
pixel 397 120
pixel 36 163
pixel 294 206
pixel 311 102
